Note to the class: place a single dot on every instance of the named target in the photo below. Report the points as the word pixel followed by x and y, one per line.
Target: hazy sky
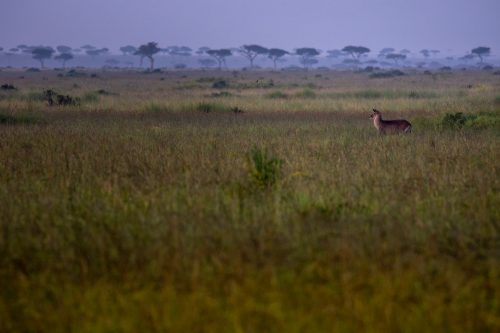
pixel 456 25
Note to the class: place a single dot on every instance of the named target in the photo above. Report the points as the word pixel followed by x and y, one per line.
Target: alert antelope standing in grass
pixel 390 126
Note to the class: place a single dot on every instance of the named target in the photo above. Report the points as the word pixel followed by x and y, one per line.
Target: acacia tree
pixel 481 51
pixel 307 56
pixel 220 55
pixel 63 49
pixel 252 51
pixel 426 53
pixel 148 51
pixel 128 49
pixel 96 52
pixel 467 57
pixel 356 51
pixel 41 53
pixel 202 50
pixel 396 57
pixel 63 57
pixel 385 51
pixel 275 54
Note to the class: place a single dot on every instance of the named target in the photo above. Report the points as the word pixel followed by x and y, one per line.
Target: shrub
pixel 220 84
pixel 264 170
pixel 454 120
pixel 7 87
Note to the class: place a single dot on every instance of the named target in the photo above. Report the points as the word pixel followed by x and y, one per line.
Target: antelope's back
pixel 399 125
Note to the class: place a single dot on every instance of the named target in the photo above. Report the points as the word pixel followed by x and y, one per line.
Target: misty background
pixel 454 27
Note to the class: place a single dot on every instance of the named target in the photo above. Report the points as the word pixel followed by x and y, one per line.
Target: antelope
pixel 389 126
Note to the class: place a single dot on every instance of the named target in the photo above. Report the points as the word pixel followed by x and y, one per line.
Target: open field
pixel 154 206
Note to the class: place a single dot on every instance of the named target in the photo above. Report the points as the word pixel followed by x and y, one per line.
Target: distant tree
pixel 385 51
pixel 334 54
pixel 96 52
pixel 481 51
pixel 63 57
pixel 14 50
pixel 1 49
pixel 405 51
pixel 41 53
pixel 467 57
pixel 426 53
pixel 128 49
pixel 276 54
pixel 181 51
pixel 220 55
pixel 356 51
pixel 252 51
pixel 306 55
pixel 22 46
pixel 396 57
pixel 148 51
pixel 207 63
pixel 202 50
pixel 63 49
pixel 88 47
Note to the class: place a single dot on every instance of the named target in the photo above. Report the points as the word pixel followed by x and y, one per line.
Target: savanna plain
pixel 249 201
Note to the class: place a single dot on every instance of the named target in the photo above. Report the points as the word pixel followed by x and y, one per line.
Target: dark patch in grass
pixel 7 86
pixel 20 119
pixel 277 95
pixel 32 70
pixel 75 73
pixel 221 94
pixel 387 74
pixel 104 92
pixel 220 84
pixel 210 107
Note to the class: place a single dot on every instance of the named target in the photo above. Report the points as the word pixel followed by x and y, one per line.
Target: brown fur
pixel 389 126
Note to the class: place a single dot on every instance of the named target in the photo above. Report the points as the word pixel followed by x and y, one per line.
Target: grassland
pixel 153 206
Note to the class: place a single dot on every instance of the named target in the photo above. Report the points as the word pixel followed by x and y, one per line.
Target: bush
pixel 455 120
pixel 220 84
pixel 264 170
pixel 7 87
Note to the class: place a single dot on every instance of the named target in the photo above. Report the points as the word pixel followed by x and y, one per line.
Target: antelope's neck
pixel 377 120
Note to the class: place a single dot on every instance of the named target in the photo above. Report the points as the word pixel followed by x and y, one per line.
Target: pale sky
pixel 447 25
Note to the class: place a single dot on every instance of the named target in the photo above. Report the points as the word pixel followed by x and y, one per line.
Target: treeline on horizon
pixel 350 56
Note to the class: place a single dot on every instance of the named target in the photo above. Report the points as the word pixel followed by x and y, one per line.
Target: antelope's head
pixel 374 114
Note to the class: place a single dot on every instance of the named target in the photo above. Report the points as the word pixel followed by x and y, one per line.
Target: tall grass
pixel 128 221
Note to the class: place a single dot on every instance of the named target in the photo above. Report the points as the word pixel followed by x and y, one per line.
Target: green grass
pixel 140 212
